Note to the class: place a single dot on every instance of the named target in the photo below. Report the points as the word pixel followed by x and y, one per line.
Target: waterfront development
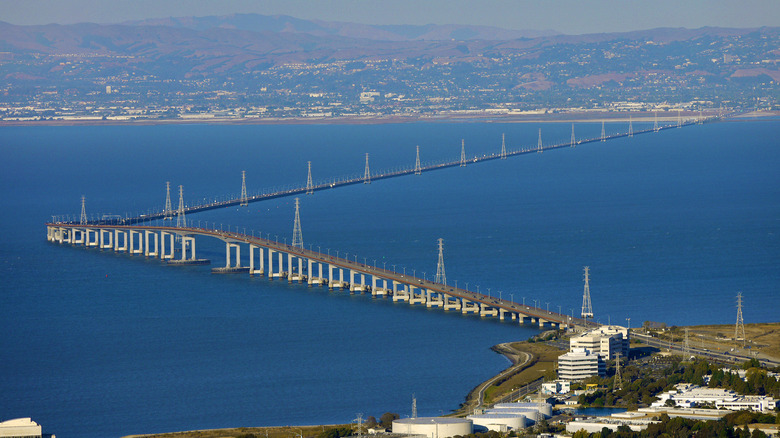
pixel 681 216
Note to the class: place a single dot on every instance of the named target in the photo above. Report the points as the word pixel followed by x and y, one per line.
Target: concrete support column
pixel 149 252
pixel 330 275
pixel 228 247
pixel 281 265
pixel 124 245
pixel 300 269
pixel 187 242
pixel 289 267
pixel 310 272
pixel 167 240
pixel 270 262
pixel 252 270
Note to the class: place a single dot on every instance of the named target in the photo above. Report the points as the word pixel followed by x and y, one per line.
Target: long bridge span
pixel 295 264
pixel 417 169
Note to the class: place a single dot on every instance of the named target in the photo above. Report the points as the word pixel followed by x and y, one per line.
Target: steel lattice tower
pixel 244 198
pixel 367 175
pixel 168 207
pixel 417 168
pixel 740 328
pixel 539 142
pixel 297 240
pixel 573 140
pixel 414 406
pixel 309 184
pixel 618 377
pixel 655 121
pixel 630 127
pixel 503 146
pixel 181 221
pixel 603 133
pixel 83 218
pixel 441 277
pixel 679 119
pixel 587 309
pixel 462 152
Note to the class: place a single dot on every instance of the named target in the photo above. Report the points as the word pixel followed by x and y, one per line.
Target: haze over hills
pixel 281 66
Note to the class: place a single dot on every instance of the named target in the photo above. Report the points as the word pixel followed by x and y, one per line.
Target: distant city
pixel 215 69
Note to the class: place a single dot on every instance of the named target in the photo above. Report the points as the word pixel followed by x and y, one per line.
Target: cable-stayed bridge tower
pixel 573 140
pixel 181 221
pixel 417 168
pixel 539 142
pixel 168 208
pixel 441 277
pixel 83 218
pixel 297 240
pixel 587 309
pixel 244 198
pixel 503 146
pixel 462 152
pixel 367 174
pixel 309 184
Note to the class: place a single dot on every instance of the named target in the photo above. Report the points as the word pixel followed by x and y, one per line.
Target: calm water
pixel 94 344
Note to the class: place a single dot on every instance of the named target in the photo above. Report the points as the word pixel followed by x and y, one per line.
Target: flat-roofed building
pixel 606 340
pixel 20 428
pixel 579 364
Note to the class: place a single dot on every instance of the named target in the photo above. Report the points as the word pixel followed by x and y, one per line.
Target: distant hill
pixel 287 24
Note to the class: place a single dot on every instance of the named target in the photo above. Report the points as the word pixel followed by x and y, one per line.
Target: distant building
pixel 108 89
pixel 606 341
pixel 686 395
pixel 581 363
pixel 556 387
pixel 20 428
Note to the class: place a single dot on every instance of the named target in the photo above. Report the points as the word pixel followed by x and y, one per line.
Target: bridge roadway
pixel 159 241
pixel 345 182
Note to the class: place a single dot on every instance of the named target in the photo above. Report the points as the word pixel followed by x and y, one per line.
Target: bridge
pixel 296 264
pixel 309 187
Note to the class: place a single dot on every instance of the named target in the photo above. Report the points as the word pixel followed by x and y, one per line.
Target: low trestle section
pixel 176 246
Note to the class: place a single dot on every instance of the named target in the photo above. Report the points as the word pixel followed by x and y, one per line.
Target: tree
pixel 371 421
pixel 386 420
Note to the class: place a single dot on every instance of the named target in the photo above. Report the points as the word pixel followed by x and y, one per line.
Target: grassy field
pixel 543 363
pixel 259 432
pixel 764 338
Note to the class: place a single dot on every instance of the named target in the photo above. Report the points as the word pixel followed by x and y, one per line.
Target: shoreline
pixel 567 117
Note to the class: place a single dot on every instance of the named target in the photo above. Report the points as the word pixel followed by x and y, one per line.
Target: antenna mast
pixel 168 208
pixel 740 328
pixel 587 309
pixel 441 277
pixel 244 199
pixel 297 240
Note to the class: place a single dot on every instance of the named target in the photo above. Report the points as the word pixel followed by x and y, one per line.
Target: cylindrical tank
pixel 433 427
pixel 512 420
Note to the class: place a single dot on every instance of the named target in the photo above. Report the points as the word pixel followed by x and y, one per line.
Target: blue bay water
pixel 97 344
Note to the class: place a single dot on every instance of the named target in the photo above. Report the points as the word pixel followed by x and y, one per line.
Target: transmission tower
pixel 359 421
pixel 587 309
pixel 603 133
pixel 414 406
pixel 168 208
pixel 679 119
pixel 539 142
pixel 618 377
pixel 417 169
pixel 630 127
pixel 503 146
pixel 297 240
pixel 367 174
pixel 309 184
pixel 83 218
pixel 655 122
pixel 181 221
pixel 573 140
pixel 244 199
pixel 441 277
pixel 699 120
pixel 740 328
pixel 462 153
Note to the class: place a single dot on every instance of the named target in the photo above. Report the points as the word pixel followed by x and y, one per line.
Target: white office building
pixel 606 341
pixel 579 364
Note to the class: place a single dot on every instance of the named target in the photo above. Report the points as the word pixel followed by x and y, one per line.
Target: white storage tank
pixel 511 420
pixel 543 408
pixel 433 427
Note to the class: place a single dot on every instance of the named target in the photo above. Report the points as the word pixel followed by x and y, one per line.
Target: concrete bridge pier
pixel 167 241
pixel 74 239
pixel 132 235
pixel 281 273
pixel 310 271
pixel 402 294
pixel 91 237
pixel 451 303
pixel 252 270
pixel 485 310
pixel 469 306
pixel 270 263
pixel 149 252
pixel 228 252
pixel 415 298
pixel 125 243
pixel 103 243
pixel 433 299
pixel 300 269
